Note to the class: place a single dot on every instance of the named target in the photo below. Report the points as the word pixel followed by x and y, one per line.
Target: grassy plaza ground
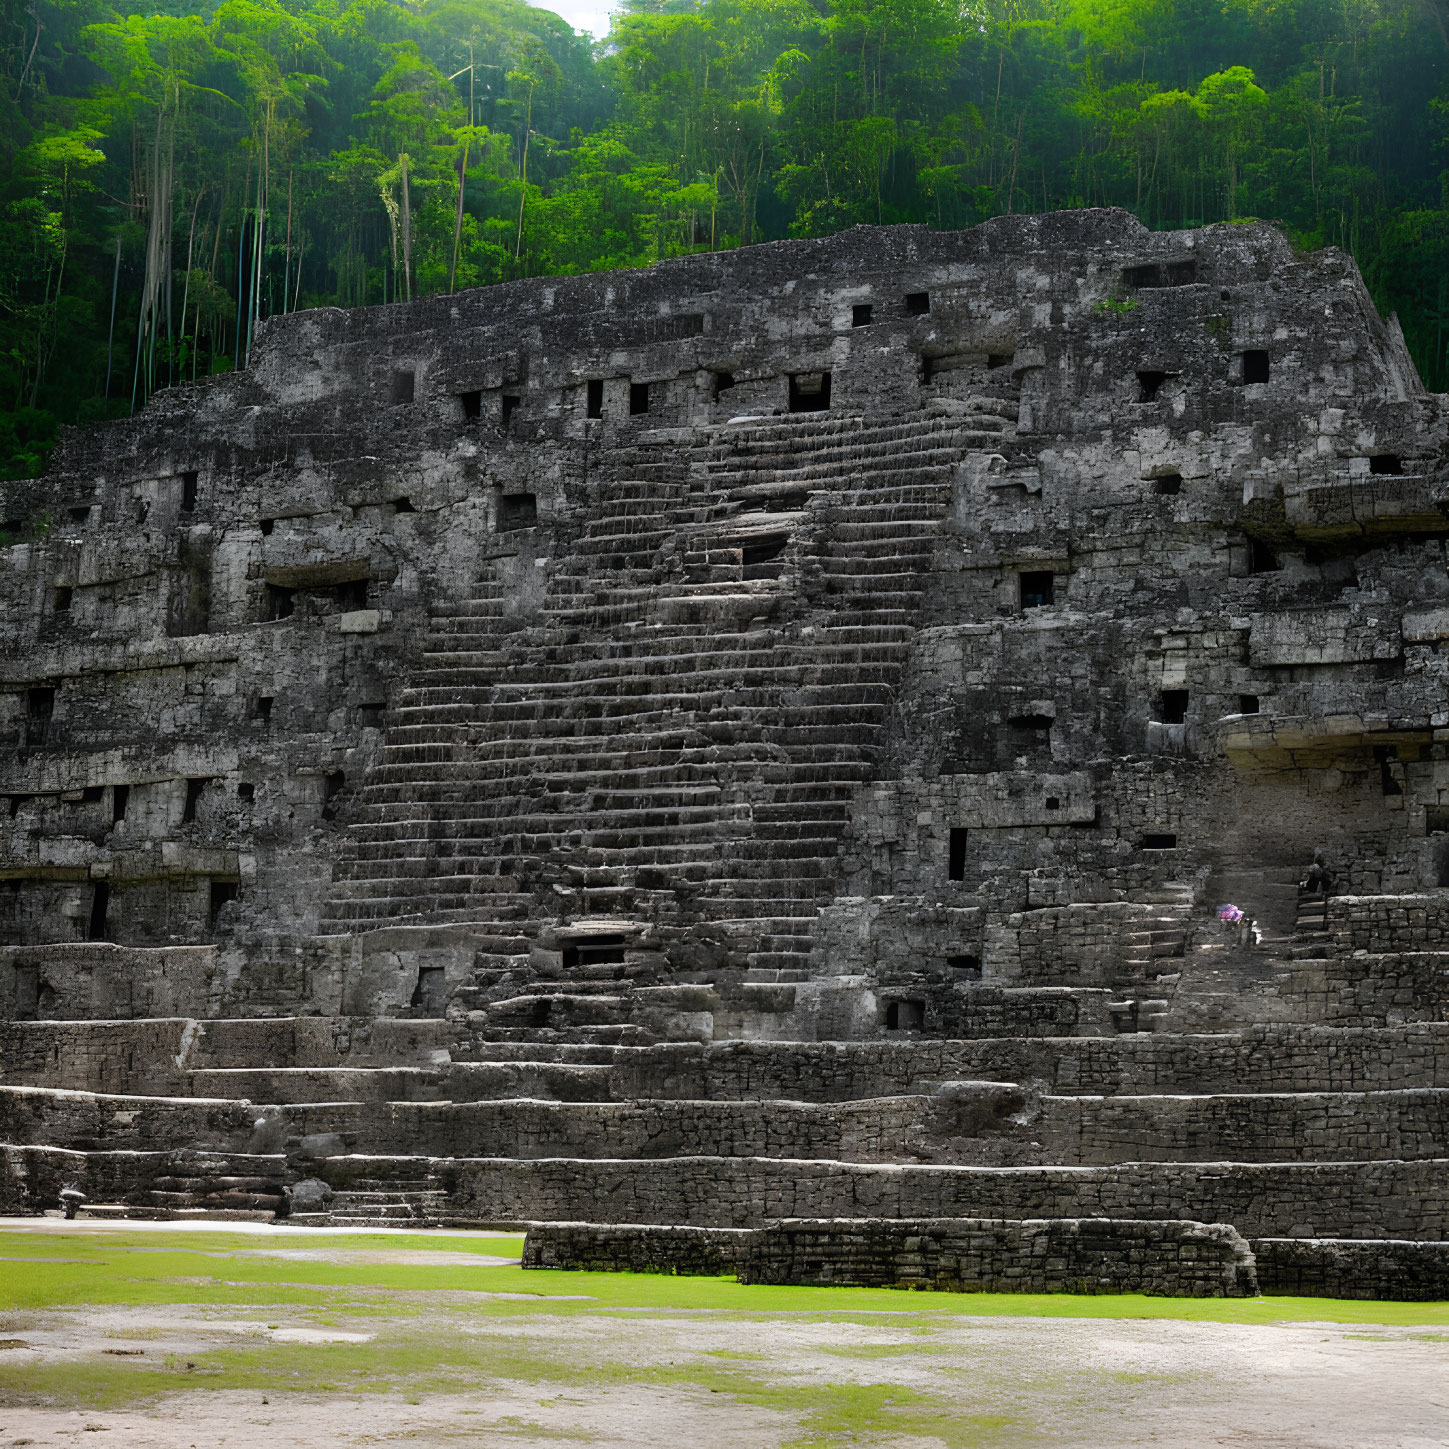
pixel 200 1335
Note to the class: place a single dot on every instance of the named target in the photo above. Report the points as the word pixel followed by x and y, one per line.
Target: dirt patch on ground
pixel 378 1360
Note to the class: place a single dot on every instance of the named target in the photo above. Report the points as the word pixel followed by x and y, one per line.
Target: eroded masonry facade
pixel 766 737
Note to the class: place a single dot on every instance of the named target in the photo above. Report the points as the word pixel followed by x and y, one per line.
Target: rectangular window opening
pixel 1167 485
pixel 517 510
pixel 79 514
pixel 595 951
pixel 1384 757
pixel 809 392
pixel 194 789
pixel 263 707
pixel 93 794
pixel 267 525
pixel 246 791
pixel 352 595
pixel 1261 558
pixel 223 893
pixel 1149 384
pixel 281 602
pixel 403 388
pixel 188 490
pixel 918 304
pixel 430 991
pixel 862 314
pixel 1255 367
pixel 956 854
pixel 594 397
pixel 471 403
pixel 999 359
pixel 1031 724
pixel 1036 588
pixel 369 715
pixel 1248 704
pixel 63 596
pixel 638 398
pixel 1172 706
pixel 1159 840
pixel 510 406
pixel 909 1015
pixel 97 925
pixel 965 967
pixel 40 702
pixel 120 799
pixel 1386 465
pixel 723 382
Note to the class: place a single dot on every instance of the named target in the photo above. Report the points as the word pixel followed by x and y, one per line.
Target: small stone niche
pixel 1167 485
pixel 509 405
pixel 862 314
pixel 1255 366
pixel 223 892
pixel 189 481
pixel 1150 382
pixel 918 304
pixel 1172 706
pixel 809 392
pixel 763 557
pixel 956 854
pixel 120 799
pixel 964 967
pixel 281 602
pixel 61 600
pixel 907 1014
pixel 723 382
pixel 639 398
pixel 1249 704
pixel 79 514
pixel 430 992
pixel 402 388
pixel 1160 274
pixel 98 924
pixel 471 403
pixel 195 788
pixel 40 702
pixel 1159 840
pixel 517 510
pixel 1036 588
pixel 1386 465
pixel 600 950
pixel 594 397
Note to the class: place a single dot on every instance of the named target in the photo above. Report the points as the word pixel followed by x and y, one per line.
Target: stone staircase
pixel 678 735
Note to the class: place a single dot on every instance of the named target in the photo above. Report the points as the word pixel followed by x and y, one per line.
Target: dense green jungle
pixel 173 172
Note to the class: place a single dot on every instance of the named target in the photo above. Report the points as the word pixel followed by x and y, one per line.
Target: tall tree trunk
pixel 287 250
pixel 115 287
pixel 407 230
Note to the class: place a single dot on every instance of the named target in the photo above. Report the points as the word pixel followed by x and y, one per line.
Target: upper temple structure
pixel 906 726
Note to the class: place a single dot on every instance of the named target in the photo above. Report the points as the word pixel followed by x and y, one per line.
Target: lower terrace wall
pixel 1354 1199
pixel 959 1255
pixel 1175 1259
pixel 1393 1271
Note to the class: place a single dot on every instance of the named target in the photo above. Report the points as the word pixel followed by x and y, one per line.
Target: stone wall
pixel 1386 1271
pixel 958 1255
pixel 1358 1199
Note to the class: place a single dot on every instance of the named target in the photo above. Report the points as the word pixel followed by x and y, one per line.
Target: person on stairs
pixel 1319 880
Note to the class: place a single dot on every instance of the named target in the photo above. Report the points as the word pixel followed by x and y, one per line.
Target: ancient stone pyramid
pixel 766 736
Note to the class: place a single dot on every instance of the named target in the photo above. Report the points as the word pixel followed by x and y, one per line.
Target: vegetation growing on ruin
pixel 179 170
